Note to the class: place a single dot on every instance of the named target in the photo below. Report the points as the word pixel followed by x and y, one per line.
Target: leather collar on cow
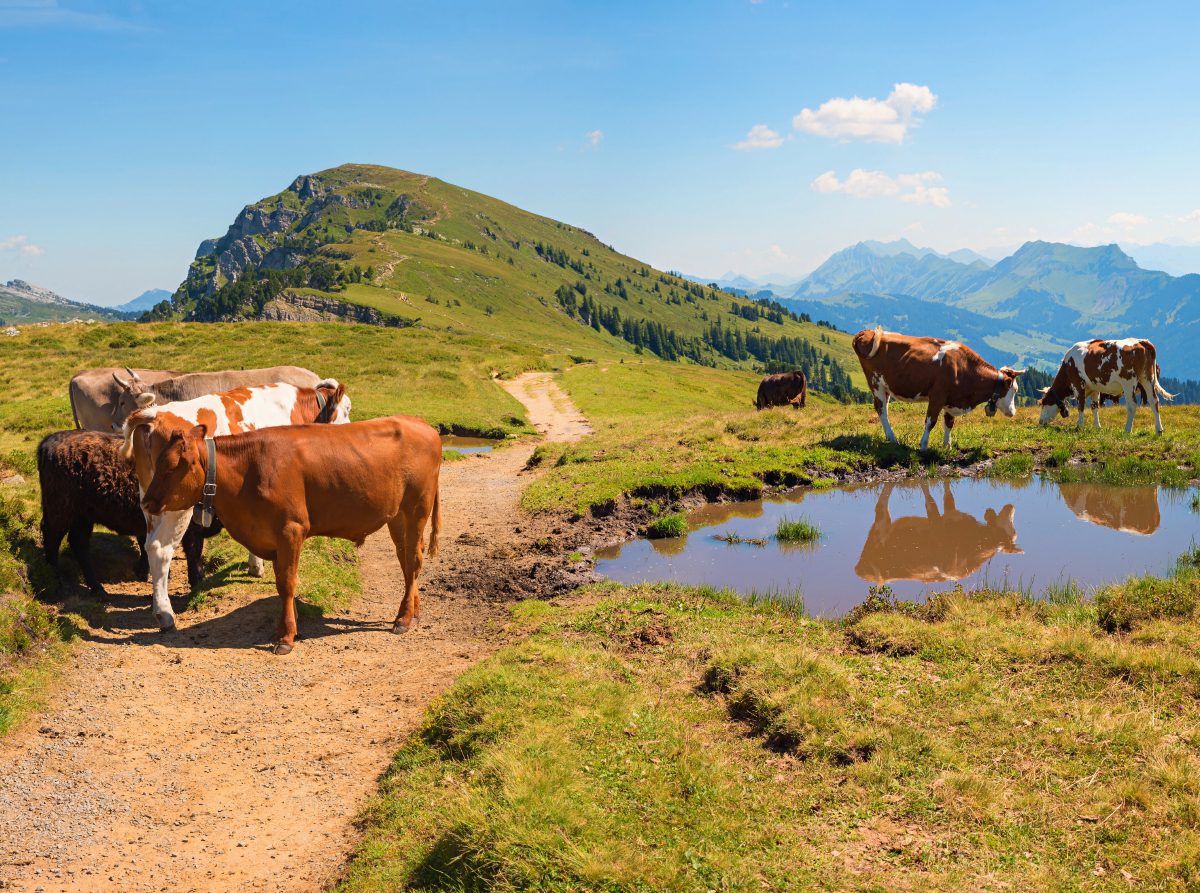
pixel 210 485
pixel 1058 401
pixel 1001 388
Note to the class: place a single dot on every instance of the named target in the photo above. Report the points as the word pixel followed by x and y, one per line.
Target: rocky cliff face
pixel 19 288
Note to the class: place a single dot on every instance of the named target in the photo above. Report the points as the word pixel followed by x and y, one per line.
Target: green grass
pixel 667 526
pixel 668 739
pixel 801 530
pixel 34 643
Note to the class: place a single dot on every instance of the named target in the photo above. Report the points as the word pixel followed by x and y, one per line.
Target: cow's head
pixel 335 394
pixel 1005 396
pixel 178 482
pixel 1052 404
pixel 134 395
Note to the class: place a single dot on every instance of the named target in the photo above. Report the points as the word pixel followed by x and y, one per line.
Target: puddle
pixel 467 444
pixel 919 537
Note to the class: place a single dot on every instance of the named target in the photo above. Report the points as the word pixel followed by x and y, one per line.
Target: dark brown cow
pixel 945 545
pixel 945 374
pixel 276 487
pixel 782 389
pixel 1100 366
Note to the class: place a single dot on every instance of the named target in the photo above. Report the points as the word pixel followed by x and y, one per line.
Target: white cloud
pixel 1190 218
pixel 12 243
pixel 876 184
pixel 914 228
pixel 31 251
pixel 760 137
pixel 1129 221
pixel 868 120
pixel 594 137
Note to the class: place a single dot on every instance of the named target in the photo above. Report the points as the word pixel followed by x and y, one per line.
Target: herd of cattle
pixel 269 454
pixel 953 379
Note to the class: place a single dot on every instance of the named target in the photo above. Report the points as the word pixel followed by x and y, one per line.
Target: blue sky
pixel 677 132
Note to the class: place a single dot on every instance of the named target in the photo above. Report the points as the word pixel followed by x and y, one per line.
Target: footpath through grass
pixel 664 430
pixel 668 739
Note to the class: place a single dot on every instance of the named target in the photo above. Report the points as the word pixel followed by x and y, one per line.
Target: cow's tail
pixel 865 348
pixel 436 526
pixel 71 397
pixel 1157 387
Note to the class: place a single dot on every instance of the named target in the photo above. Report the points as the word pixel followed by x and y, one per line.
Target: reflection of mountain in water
pixel 945 545
pixel 1128 509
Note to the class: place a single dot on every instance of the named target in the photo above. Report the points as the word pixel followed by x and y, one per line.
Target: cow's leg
pixel 193 549
pixel 1130 405
pixel 948 421
pixel 166 533
pixel 931 417
pixel 1148 388
pixel 80 539
pixel 142 571
pixel 408 533
pixel 1082 409
pixel 1096 400
pixel 287 578
pixel 881 407
pixel 255 565
pixel 52 538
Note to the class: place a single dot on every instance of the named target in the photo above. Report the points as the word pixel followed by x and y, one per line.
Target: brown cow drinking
pixel 276 487
pixel 945 374
pixel 786 388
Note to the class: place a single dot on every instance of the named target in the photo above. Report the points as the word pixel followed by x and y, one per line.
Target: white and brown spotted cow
pixel 1100 366
pixel 242 409
pixel 948 376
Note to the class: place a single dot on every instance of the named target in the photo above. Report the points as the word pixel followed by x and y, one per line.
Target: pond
pixel 919 537
pixel 467 444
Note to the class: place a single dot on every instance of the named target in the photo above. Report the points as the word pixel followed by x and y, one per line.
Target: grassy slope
pixel 413 268
pixel 678 740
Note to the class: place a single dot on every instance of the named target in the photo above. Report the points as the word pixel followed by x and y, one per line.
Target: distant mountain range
pixel 144 301
pixel 1027 307
pixel 1178 260
pixel 22 302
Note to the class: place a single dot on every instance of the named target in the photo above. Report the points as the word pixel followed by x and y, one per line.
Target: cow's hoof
pixel 279 649
pixel 398 628
pixel 167 629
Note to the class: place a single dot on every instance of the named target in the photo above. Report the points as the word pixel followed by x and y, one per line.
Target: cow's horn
pixel 124 384
pixel 132 373
pixel 1042 390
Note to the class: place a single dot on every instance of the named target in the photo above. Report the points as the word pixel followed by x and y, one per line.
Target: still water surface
pixel 467 444
pixel 920 537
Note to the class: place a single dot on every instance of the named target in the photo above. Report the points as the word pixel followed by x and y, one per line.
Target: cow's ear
pixel 144 400
pixel 338 394
pixel 200 431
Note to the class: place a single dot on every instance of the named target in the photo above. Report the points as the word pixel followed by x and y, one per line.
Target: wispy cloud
pixel 1129 221
pixel 21 244
pixel 48 14
pixel 760 137
pixel 876 184
pixel 1194 217
pixel 594 137
pixel 869 120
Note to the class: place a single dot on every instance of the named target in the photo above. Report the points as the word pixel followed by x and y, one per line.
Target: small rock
pixel 14 479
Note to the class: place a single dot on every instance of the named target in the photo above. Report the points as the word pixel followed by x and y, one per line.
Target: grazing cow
pixel 945 374
pixel 138 394
pixel 85 483
pixel 945 545
pixel 782 389
pixel 94 394
pixel 277 487
pixel 1099 366
pixel 243 409
pixel 1127 509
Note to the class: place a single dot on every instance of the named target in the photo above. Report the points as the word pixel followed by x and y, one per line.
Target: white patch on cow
pixel 929 423
pixel 1008 403
pixel 956 412
pixel 1048 414
pixel 946 347
pixel 164 534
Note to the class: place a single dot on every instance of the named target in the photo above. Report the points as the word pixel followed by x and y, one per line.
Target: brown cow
pixel 276 487
pixel 945 374
pixel 945 545
pixel 1100 366
pixel 782 389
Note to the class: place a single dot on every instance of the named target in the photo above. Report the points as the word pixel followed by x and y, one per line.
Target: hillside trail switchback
pixel 199 761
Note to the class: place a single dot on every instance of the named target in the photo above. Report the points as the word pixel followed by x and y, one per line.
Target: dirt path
pixel 550 409
pixel 198 761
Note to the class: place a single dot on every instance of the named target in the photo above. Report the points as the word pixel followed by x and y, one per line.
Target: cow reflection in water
pixel 1127 509
pixel 945 545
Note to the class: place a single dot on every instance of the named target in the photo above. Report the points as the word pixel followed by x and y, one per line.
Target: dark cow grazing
pixel 138 394
pixel 782 389
pixel 942 546
pixel 1127 509
pixel 276 487
pixel 1099 366
pixel 945 374
pixel 84 483
pixel 94 394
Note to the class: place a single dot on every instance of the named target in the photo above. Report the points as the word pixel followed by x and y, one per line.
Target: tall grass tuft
pixel 801 530
pixel 666 527
pixel 789 601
